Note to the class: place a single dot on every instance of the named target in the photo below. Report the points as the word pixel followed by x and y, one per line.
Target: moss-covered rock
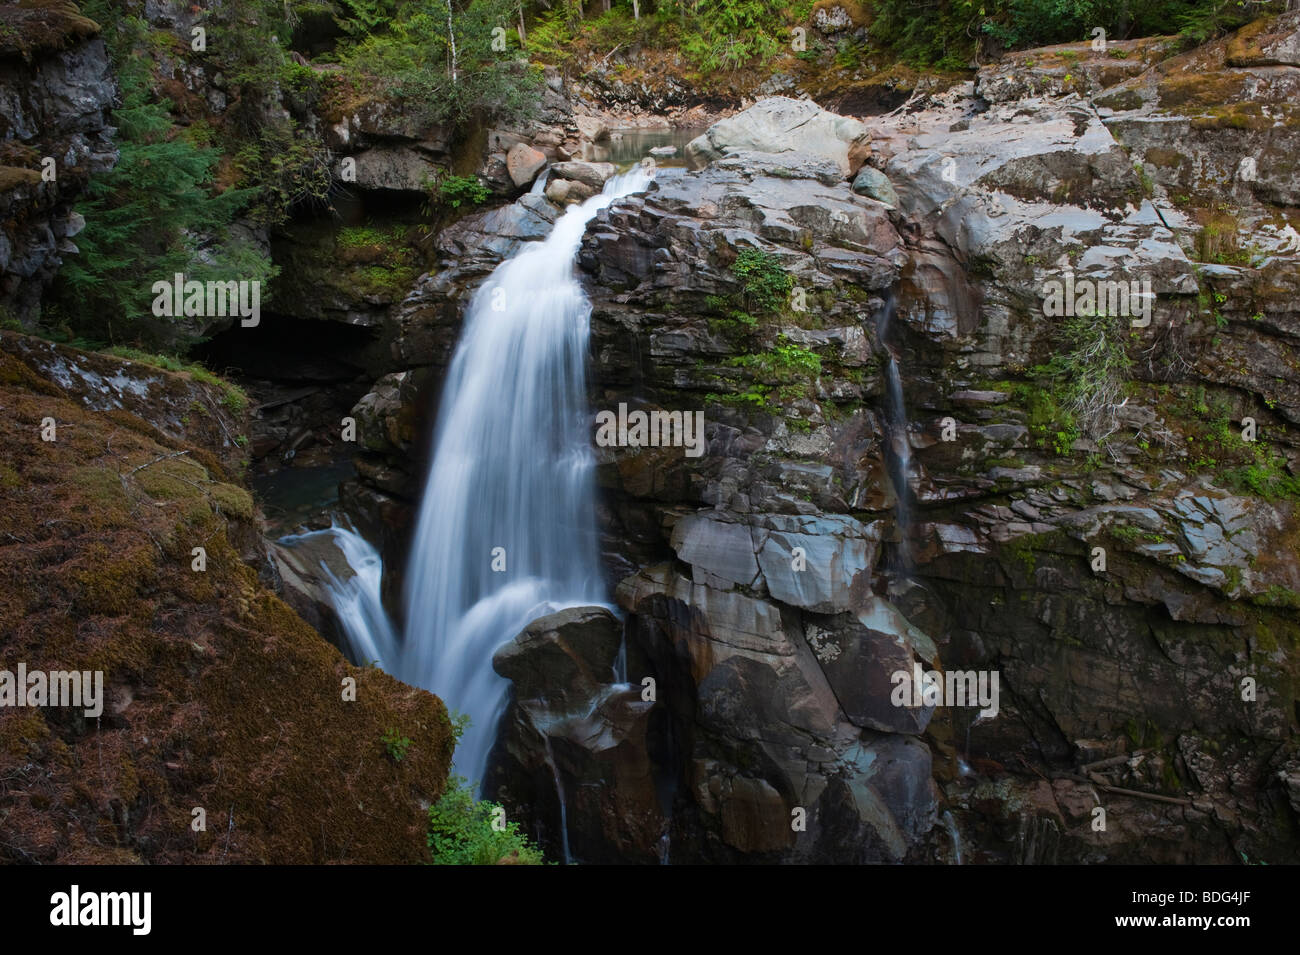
pixel 31 27
pixel 351 273
pixel 217 695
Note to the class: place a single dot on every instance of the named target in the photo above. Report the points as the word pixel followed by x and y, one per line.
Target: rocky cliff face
pixel 55 93
pixel 1139 666
pixel 911 460
pixel 1129 568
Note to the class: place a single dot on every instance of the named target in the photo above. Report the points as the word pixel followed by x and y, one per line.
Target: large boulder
pixel 567 192
pixel 573 753
pixel 738 676
pixel 593 174
pixel 523 162
pixel 592 128
pixel 395 169
pixel 874 184
pixel 779 124
pixel 862 653
pixel 563 657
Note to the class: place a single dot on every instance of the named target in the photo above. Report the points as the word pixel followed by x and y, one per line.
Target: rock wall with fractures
pixel 1160 685
pixel 56 89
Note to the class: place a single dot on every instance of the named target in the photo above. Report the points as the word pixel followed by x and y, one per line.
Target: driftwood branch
pixel 165 457
pixel 1119 791
pixel 1087 768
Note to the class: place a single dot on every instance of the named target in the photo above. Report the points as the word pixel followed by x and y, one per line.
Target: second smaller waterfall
pixel 358 599
pixel 900 457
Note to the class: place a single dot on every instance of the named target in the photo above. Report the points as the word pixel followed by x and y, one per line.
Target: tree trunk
pixel 451 37
pixel 636 9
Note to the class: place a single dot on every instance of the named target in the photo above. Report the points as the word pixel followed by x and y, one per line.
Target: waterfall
pixel 565 853
pixel 358 600
pixel 900 463
pixel 951 825
pixel 507 528
pixel 620 661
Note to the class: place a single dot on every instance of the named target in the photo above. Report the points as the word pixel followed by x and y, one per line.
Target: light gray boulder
pixel 780 124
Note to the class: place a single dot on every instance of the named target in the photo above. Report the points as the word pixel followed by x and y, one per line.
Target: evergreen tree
pixel 146 217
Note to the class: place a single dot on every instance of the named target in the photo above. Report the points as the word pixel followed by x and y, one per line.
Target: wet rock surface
pixel 774 683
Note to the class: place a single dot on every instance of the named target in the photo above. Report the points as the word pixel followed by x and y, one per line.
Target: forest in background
pixel 183 180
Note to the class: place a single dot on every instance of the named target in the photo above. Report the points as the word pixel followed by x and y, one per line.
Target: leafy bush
pixel 1266 478
pixel 461 828
pixel 364 236
pixel 788 370
pixel 766 284
pixel 396 745
pixel 461 831
pixel 455 190
pixel 786 362
pixel 1090 373
pixel 1051 426
pixel 283 168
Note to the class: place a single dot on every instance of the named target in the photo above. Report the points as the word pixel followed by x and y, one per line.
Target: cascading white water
pixel 951 825
pixel 358 600
pixel 899 440
pixel 565 853
pixel 900 443
pixel 507 528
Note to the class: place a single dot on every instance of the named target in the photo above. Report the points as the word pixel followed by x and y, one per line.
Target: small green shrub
pixel 765 283
pixel 787 371
pixel 1087 378
pixel 455 190
pixel 1265 477
pixel 361 237
pixel 465 831
pixel 396 745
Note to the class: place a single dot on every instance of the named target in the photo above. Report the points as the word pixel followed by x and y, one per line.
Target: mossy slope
pixel 218 696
